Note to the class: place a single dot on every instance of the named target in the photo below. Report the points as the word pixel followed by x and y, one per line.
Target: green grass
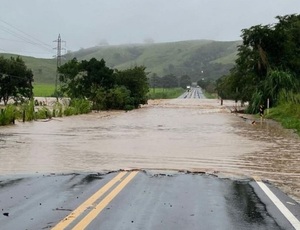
pixel 288 115
pixel 160 93
pixel 43 90
pixel 44 70
pixel 210 95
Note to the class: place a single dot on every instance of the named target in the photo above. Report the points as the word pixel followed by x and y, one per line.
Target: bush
pixel 43 113
pixel 81 106
pixel 7 115
pixel 119 98
pixel 78 106
pixel 70 111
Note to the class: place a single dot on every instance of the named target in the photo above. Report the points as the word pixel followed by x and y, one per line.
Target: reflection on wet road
pixel 176 134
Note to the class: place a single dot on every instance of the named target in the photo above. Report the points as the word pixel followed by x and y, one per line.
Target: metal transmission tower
pixel 58 58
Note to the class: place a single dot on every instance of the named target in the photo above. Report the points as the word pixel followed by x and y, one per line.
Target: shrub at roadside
pixel 78 106
pixel 7 115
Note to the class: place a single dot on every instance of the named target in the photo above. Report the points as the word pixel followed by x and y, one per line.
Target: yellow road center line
pixel 88 203
pixel 95 212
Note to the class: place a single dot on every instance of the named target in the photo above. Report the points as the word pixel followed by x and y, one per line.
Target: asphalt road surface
pixel 143 200
pixel 194 92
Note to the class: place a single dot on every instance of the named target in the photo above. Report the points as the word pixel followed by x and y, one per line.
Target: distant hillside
pixel 198 59
pixel 44 70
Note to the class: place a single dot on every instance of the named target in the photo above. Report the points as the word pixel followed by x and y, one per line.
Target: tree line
pixel 89 80
pixel 169 81
pixel 267 65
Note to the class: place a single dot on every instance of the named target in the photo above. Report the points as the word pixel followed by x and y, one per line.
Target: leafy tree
pixel 15 80
pixel 80 79
pixel 268 62
pixel 94 81
pixel 71 76
pixel 135 80
pixel 119 98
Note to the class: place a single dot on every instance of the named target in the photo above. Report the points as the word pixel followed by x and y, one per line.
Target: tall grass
pixel 7 115
pixel 28 111
pixel 287 112
pixel 78 106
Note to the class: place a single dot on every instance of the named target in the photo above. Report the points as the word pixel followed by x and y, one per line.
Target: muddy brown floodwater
pixel 179 134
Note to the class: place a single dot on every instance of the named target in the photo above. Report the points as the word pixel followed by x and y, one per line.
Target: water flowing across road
pixel 180 134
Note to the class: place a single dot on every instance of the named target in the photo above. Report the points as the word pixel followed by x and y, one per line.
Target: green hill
pixel 44 70
pixel 198 59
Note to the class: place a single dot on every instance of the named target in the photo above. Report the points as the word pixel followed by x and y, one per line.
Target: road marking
pixel 284 210
pixel 88 203
pixel 95 212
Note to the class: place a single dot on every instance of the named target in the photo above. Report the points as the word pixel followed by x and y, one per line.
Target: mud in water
pixel 180 134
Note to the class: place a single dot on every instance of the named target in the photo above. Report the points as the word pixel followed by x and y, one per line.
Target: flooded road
pixel 179 134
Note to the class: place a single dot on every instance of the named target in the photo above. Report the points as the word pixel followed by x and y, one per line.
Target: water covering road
pixel 180 134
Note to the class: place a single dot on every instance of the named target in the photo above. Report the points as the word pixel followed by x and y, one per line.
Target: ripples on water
pixel 177 134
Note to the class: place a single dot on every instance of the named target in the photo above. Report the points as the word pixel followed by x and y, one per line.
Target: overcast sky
pixel 86 23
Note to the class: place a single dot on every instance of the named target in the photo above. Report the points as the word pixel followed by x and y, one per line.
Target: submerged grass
pixel 28 111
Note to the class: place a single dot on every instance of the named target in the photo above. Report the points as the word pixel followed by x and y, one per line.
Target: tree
pixel 15 80
pixel 70 75
pixel 135 80
pixel 268 62
pixel 169 81
pixel 81 79
pixel 184 81
pixel 154 81
pixel 106 89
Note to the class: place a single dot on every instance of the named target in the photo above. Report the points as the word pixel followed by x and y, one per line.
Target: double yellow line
pixel 124 177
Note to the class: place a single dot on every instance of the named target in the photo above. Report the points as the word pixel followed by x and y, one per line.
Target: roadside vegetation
pixel 210 95
pixel 88 84
pixel 105 88
pixel 32 110
pixel 267 71
pixel 287 112
pixel 168 93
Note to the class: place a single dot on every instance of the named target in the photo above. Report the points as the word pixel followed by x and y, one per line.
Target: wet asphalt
pixel 151 200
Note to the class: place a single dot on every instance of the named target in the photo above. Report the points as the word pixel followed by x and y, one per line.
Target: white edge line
pixel 282 208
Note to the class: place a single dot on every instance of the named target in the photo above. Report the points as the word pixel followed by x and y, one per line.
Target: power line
pixel 25 37
pixel 40 42
pixel 12 40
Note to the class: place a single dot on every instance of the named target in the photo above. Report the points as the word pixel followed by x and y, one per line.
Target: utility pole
pixel 58 64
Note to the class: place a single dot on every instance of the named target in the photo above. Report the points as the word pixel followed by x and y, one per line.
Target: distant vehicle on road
pixel 188 88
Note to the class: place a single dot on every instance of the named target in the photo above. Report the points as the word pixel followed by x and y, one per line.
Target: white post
pixel 268 105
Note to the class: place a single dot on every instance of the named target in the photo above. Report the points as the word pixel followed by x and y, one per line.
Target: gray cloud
pixel 85 23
